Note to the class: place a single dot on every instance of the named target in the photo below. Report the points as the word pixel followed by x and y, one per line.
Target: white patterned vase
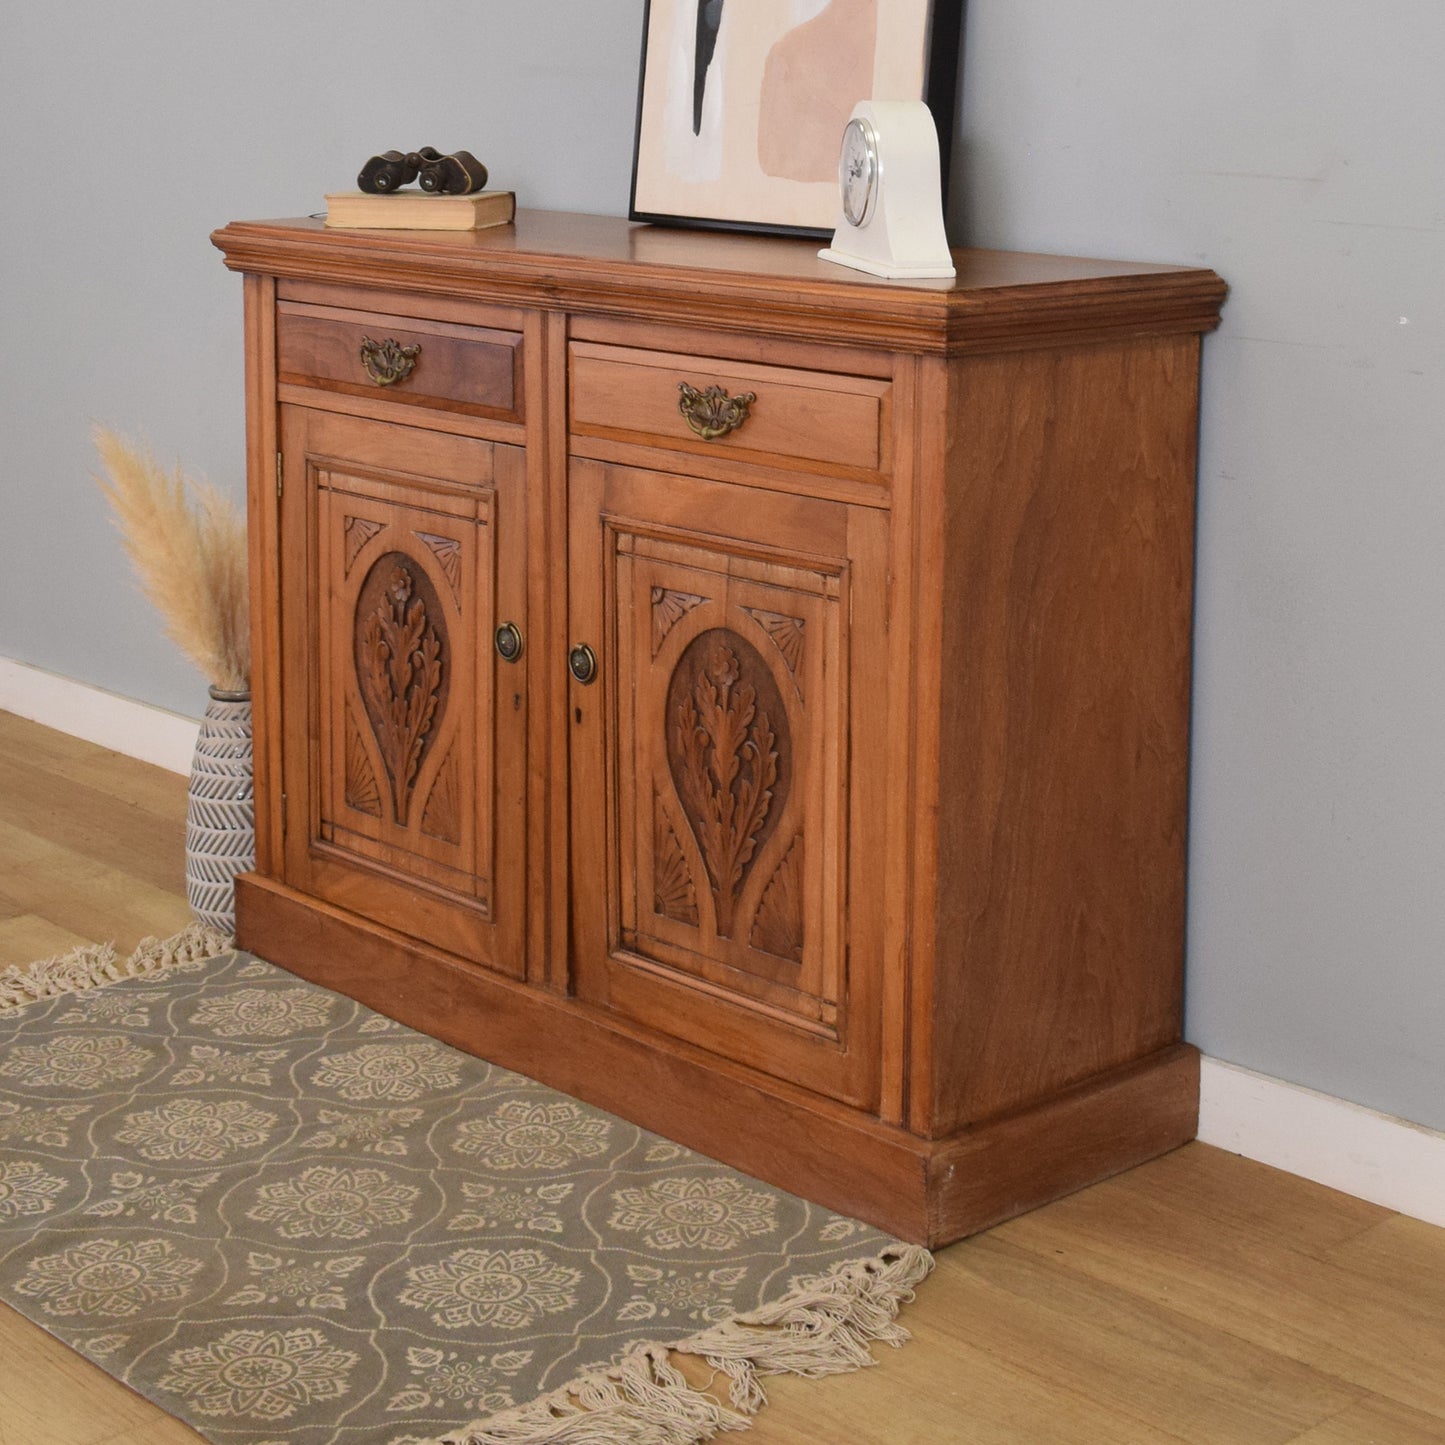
pixel 221 810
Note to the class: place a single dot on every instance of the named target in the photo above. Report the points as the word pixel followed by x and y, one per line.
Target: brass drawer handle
pixel 713 413
pixel 388 362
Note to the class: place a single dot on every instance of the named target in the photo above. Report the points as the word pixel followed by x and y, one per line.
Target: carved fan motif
pixel 786 632
pixel 668 608
pixel 778 927
pixel 448 552
pixel 358 533
pixel 362 792
pixel 401 647
pixel 674 896
pixel 729 752
pixel 442 816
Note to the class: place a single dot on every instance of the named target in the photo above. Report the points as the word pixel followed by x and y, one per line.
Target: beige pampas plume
pixel 187 543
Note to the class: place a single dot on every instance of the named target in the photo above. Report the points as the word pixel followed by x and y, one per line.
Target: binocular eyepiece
pixel 458 174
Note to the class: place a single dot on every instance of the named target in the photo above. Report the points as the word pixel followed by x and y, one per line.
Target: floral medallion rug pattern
pixel 291 1221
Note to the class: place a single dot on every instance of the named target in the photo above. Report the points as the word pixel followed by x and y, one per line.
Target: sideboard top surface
pixel 729 280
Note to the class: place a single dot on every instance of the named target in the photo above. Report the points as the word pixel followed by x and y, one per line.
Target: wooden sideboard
pixel 740 693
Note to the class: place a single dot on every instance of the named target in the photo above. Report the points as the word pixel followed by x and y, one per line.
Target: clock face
pixel 858 171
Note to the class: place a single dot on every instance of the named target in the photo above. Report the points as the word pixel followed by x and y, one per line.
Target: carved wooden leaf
pixel 448 552
pixel 729 752
pixel 786 632
pixel 442 816
pixel 358 533
pixel 400 649
pixel 778 926
pixel 674 896
pixel 362 792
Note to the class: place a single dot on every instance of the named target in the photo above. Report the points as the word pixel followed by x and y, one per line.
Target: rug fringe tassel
pixel 93 965
pixel 823 1326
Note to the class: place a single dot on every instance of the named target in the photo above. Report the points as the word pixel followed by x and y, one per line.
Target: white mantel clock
pixel 890 194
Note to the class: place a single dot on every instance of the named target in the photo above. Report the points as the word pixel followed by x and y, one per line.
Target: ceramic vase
pixel 221 810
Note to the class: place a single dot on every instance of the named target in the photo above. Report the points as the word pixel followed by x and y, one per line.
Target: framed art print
pixel 742 103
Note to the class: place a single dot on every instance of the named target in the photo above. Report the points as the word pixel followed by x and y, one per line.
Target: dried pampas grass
pixel 187 543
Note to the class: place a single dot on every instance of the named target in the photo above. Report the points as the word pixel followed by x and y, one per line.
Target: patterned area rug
pixel 291 1221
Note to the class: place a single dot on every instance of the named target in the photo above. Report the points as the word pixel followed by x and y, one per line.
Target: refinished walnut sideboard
pixel 743 694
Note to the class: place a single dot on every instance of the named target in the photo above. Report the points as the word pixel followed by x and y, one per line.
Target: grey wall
pixel 151 122
pixel 1298 147
pixel 1294 145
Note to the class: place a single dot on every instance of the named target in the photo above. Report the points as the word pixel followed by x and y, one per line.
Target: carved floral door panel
pixel 416 763
pixel 717 728
pixel 728 904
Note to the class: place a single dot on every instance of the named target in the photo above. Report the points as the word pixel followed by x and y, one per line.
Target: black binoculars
pixel 454 175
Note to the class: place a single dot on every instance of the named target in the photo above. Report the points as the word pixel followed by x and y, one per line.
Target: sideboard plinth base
pixel 926 1191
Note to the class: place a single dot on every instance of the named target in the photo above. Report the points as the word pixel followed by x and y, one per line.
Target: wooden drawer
pixel 815 418
pixel 466 369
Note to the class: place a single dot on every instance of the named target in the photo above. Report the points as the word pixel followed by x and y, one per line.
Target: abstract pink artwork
pixel 742 103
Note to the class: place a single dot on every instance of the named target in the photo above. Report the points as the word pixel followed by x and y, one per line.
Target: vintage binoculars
pixel 455 175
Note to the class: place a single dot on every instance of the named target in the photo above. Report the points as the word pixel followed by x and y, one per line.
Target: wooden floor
pixel 1201 1298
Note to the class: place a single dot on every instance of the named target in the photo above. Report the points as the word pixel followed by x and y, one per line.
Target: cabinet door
pixel 404 728
pixel 726 763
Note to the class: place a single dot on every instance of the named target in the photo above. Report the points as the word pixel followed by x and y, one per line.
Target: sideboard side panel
pixel 1068 520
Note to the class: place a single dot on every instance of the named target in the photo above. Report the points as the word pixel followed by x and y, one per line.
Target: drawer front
pixel 466 369
pixel 710 405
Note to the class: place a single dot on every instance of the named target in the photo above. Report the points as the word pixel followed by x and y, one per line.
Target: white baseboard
pixel 120 723
pixel 1346 1146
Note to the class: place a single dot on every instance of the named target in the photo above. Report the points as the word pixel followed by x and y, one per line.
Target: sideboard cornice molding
pixel 999 300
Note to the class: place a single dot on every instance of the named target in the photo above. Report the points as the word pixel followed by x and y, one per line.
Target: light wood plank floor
pixel 1201 1298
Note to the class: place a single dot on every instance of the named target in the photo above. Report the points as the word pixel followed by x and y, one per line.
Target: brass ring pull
pixel 582 662
pixel 713 413
pixel 388 362
pixel 509 642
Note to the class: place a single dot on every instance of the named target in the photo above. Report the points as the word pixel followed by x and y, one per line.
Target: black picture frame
pixel 941 37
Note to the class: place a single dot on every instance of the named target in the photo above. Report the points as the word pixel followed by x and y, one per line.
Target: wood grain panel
pixel 465 369
pixel 1062 744
pixel 827 419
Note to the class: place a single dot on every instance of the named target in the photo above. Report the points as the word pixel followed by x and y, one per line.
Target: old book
pixel 420 211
